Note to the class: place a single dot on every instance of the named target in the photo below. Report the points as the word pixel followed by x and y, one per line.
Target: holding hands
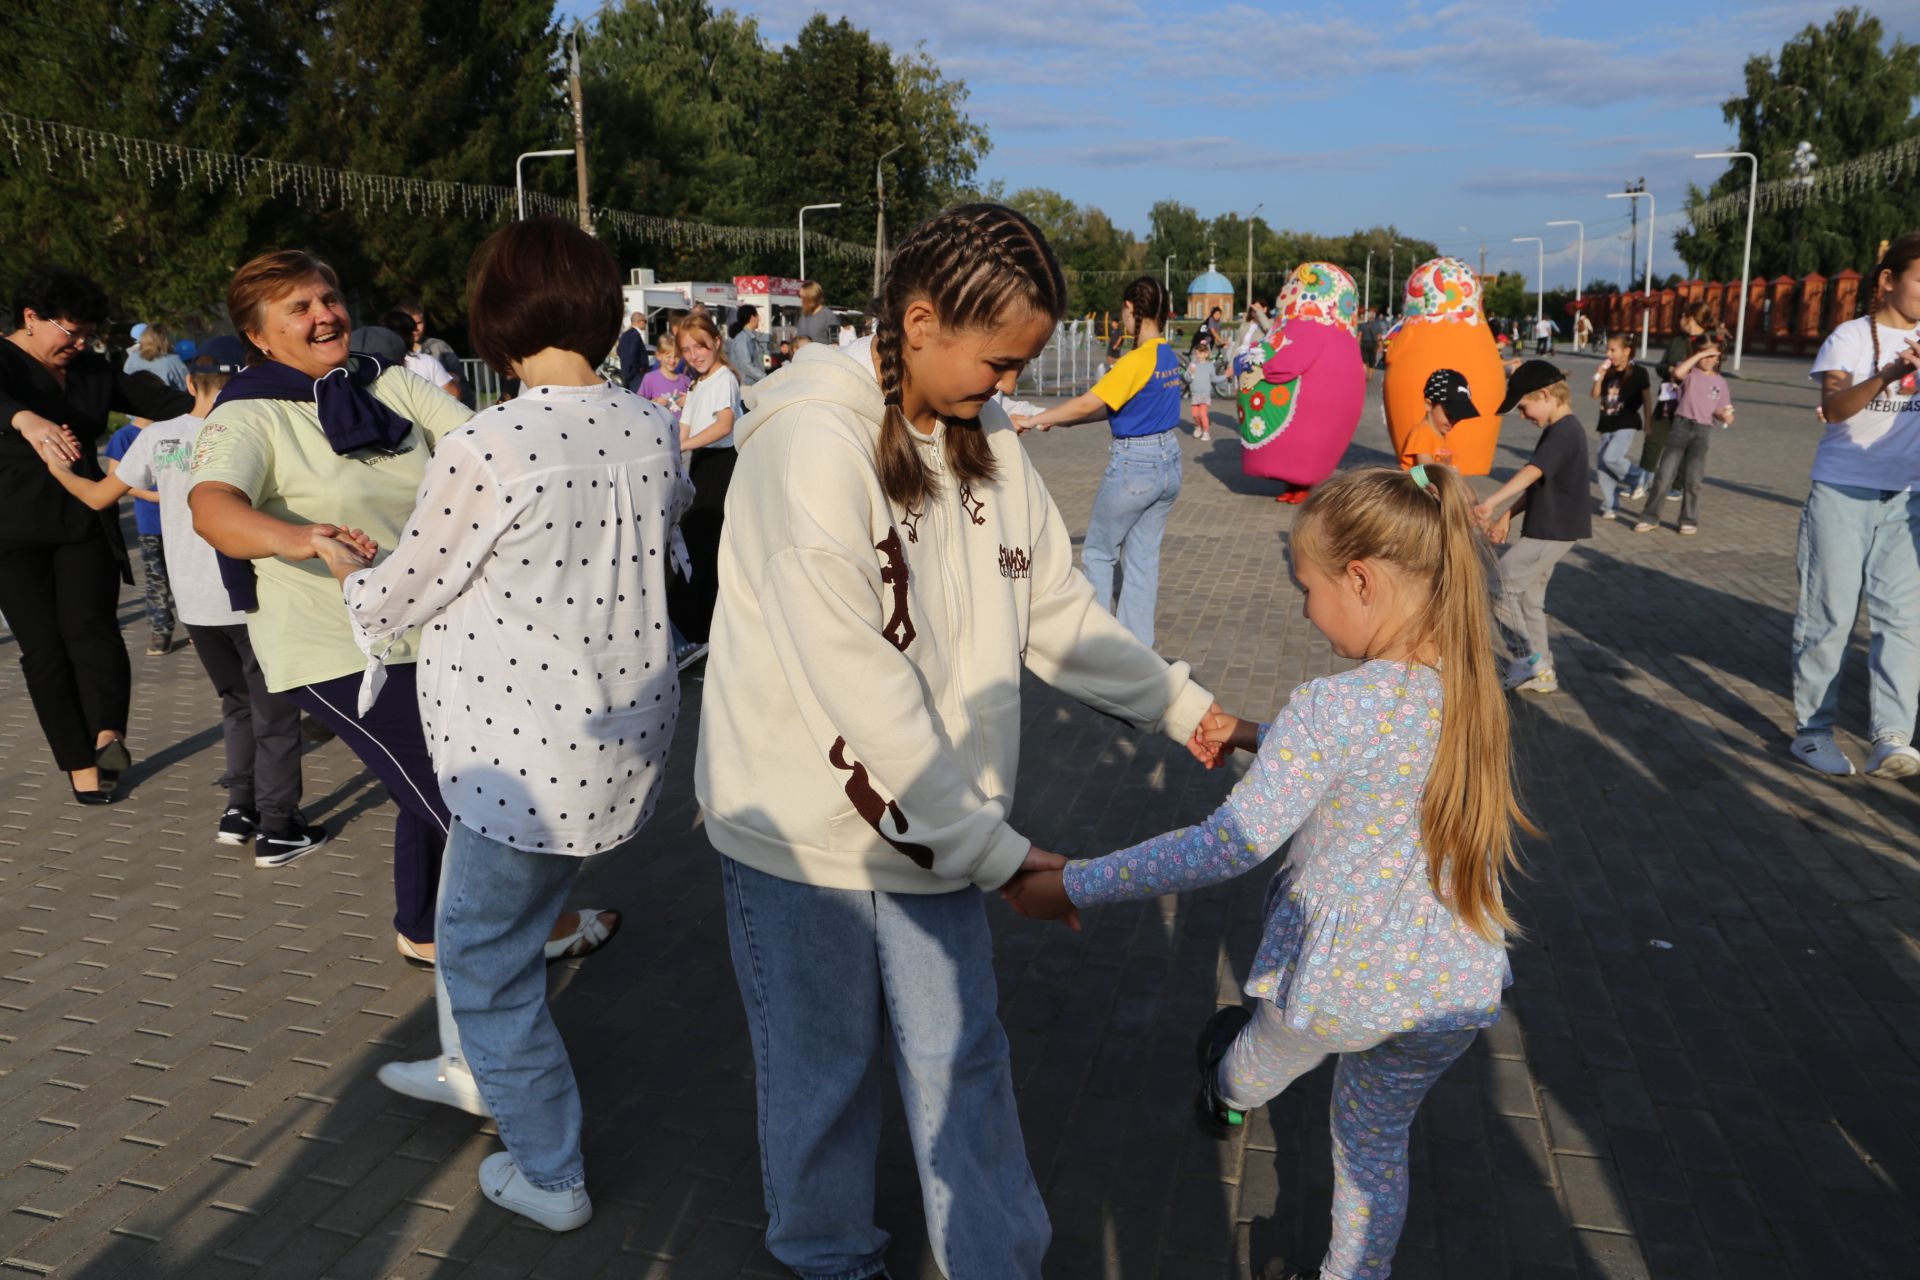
pixel 1218 734
pixel 54 443
pixel 342 550
pixel 1038 891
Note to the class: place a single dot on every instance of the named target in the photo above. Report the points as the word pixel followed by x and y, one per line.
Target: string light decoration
pixel 1883 168
pixel 26 137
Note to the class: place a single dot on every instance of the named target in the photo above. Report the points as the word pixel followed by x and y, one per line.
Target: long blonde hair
pixel 1471 806
pixel 154 342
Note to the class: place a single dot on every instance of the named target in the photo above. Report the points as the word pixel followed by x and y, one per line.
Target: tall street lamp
pixel 1368 294
pixel 803 232
pixel 1580 259
pixel 519 185
pixel 1646 312
pixel 1390 251
pixel 1166 275
pixel 1746 254
pixel 1539 281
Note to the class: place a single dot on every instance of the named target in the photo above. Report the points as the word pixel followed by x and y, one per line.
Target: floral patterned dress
pixel 1356 942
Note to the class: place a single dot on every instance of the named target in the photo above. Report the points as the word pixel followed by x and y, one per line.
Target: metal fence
pixel 478 375
pixel 1072 361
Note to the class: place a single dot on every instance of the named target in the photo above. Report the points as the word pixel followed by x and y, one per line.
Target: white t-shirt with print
pixel 161 458
pixel 705 399
pixel 1878 447
pixel 428 367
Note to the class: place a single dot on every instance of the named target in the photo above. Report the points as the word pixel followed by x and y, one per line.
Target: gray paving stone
pixel 187 1044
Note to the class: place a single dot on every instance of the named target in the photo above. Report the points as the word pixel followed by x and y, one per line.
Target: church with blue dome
pixel 1208 290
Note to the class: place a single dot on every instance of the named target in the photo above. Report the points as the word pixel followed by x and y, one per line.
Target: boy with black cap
pixel 262 728
pixel 1449 403
pixel 1552 490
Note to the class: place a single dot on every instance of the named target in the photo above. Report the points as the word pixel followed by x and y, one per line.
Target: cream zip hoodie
pixel 861 721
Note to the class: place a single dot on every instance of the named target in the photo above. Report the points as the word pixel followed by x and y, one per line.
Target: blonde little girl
pixel 1384 936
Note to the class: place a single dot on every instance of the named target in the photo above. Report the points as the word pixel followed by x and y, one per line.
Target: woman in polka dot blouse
pixel 535 562
pixel 1384 937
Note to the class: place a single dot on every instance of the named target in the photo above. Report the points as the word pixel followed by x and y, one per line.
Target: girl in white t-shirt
pixel 706 440
pixel 1860 529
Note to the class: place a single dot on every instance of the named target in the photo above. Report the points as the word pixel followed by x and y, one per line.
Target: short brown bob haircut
pixel 542 283
pixel 266 278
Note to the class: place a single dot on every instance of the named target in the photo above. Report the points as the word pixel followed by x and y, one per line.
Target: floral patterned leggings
pixel 1377 1086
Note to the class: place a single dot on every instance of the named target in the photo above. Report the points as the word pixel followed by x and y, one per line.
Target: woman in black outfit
pixel 61 563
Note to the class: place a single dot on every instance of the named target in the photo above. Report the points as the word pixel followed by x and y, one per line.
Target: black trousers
pixel 261 729
pixel 61 602
pixel 690 604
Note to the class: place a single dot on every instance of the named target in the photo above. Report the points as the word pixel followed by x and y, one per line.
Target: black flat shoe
pixel 1215 1118
pixel 114 758
pixel 97 796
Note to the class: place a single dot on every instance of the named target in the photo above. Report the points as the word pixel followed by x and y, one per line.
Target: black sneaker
pixel 1215 1117
pixel 688 654
pixel 301 837
pixel 237 826
pixel 1281 1269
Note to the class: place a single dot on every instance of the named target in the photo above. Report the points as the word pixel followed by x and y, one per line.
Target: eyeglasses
pixel 83 333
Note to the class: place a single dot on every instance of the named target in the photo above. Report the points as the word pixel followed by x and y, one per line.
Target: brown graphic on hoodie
pixel 973 503
pixel 899 629
pixel 872 806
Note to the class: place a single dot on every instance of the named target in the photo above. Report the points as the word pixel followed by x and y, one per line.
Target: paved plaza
pixel 1709 1065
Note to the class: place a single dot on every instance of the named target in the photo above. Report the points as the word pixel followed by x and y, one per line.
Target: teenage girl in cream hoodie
pixel 891 562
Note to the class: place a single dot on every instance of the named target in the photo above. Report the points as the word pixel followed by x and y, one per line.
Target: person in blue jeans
pixel 1860 529
pixel 891 566
pixel 1140 399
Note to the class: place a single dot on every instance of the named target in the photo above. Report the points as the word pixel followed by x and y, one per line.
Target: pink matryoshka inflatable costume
pixel 1301 394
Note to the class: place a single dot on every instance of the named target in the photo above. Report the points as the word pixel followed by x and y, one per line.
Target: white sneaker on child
pixel 1519 671
pixel 1892 758
pixel 1544 681
pixel 1819 751
pixel 502 1182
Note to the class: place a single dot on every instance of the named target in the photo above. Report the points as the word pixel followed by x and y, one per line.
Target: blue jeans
pixel 1856 541
pixel 831 978
pixel 1614 468
pixel 497 906
pixel 1129 518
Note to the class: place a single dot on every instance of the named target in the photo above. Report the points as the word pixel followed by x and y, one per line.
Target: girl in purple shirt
pixel 667 384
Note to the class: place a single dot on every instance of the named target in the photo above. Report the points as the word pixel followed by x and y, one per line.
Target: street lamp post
pixel 1539 280
pixel 1746 254
pixel 1256 209
pixel 1390 252
pixel 880 219
pixel 803 232
pixel 1580 258
pixel 1368 295
pixel 519 185
pixel 1646 311
pixel 1166 274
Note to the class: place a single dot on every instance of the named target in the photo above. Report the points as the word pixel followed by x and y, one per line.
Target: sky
pixel 1464 123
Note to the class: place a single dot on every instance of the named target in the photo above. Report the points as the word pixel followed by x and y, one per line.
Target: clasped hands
pixel 342 550
pixel 1038 889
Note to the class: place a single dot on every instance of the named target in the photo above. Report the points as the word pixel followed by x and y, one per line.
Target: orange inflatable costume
pixel 1443 328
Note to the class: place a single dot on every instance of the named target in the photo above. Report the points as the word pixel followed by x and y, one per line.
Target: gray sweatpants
pixel 262 729
pixel 1521 610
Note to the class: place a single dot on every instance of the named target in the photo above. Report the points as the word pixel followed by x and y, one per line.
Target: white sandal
pixel 591 933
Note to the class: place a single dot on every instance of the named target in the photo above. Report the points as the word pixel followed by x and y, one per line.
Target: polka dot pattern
pixel 546 686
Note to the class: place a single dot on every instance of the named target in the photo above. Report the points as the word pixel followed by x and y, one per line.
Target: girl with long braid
pixel 891 561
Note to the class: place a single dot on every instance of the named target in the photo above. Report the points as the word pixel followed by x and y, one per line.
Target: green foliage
pixel 696 117
pixel 1088 245
pixel 445 99
pixel 1846 91
pixel 1508 297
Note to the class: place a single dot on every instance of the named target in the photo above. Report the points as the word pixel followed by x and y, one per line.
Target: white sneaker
pixel 437 1080
pixel 1519 671
pixel 1892 759
pixel 1544 681
pixel 502 1183
pixel 1819 751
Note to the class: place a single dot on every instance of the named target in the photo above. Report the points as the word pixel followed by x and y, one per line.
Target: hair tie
pixel 1419 473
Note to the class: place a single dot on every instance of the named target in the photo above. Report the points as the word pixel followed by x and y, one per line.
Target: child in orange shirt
pixel 1449 400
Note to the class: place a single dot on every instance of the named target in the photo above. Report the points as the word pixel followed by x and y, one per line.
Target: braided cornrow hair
pixel 1900 255
pixel 976 264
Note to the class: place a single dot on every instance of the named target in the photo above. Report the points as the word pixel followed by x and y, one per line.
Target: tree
pixel 1090 248
pixel 1844 90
